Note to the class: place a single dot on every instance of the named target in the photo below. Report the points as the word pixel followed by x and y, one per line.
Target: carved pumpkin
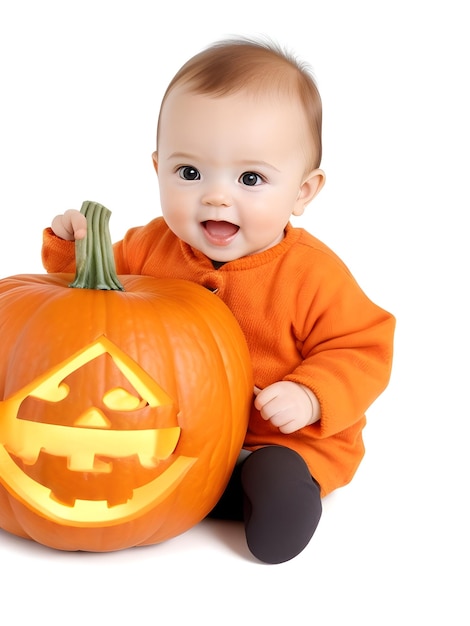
pixel 122 412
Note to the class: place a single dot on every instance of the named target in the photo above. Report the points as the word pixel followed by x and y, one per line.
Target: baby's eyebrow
pixel 254 164
pixel 182 155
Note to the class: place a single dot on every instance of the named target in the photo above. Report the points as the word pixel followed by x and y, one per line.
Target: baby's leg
pixel 282 505
pixel 230 505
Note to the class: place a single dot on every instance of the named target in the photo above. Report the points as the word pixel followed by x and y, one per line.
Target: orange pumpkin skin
pixel 121 413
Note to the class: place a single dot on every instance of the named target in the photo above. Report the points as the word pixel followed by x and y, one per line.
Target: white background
pixel 81 84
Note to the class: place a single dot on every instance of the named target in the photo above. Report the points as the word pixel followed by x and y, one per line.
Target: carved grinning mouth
pixel 81 445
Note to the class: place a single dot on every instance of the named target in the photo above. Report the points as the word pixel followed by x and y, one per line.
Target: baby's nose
pixel 217 195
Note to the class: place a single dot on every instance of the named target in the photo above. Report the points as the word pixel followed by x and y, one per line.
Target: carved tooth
pixel 28 453
pixel 81 462
pixel 86 462
pixel 121 499
pixel 68 501
pixel 103 467
pixel 148 461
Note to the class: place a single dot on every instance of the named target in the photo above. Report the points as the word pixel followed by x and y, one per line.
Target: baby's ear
pixel 312 185
pixel 155 161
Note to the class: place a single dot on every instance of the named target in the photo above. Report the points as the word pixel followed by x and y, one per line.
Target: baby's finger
pixel 78 224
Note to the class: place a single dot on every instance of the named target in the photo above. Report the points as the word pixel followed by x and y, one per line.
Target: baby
pixel 238 152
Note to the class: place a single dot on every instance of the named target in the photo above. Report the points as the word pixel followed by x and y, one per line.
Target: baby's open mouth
pixel 220 232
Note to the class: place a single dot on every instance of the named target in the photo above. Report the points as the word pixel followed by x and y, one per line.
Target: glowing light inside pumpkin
pixel 90 438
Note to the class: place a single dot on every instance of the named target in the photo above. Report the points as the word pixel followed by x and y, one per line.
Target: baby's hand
pixel 71 225
pixel 287 405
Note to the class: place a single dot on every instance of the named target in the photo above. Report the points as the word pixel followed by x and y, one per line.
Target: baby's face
pixel 231 170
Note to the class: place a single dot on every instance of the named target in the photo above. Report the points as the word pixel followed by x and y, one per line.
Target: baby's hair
pixel 233 65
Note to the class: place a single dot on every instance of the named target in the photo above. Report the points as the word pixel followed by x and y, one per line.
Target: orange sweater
pixel 305 320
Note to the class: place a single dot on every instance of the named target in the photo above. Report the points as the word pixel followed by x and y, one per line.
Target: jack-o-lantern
pixel 122 412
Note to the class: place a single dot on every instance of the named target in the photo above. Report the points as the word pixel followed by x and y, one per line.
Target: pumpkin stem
pixel 94 258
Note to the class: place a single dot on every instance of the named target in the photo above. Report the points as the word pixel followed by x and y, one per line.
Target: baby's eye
pixel 189 173
pixel 250 179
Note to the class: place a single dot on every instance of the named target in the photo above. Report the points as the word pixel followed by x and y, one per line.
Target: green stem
pixel 94 258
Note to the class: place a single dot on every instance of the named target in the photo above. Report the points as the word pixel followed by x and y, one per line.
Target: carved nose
pixel 93 418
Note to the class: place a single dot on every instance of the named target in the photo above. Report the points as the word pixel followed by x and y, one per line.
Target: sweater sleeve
pixel 131 254
pixel 58 255
pixel 346 342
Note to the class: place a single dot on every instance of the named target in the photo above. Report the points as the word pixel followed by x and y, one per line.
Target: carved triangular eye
pixel 118 399
pixel 51 392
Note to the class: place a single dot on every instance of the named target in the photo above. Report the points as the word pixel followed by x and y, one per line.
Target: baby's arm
pixel 70 225
pixel 58 249
pixel 287 405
